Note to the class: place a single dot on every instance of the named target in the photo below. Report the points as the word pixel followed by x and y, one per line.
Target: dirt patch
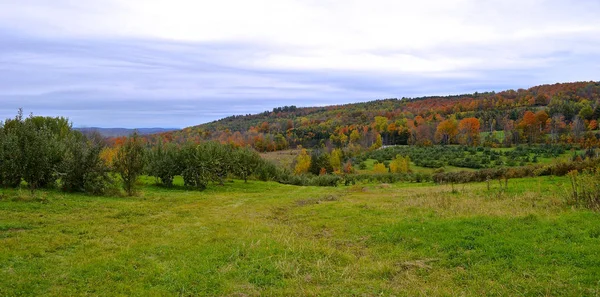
pixel 312 201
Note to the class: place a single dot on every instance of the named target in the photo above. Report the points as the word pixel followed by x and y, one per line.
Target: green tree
pixel 82 169
pixel 129 162
pixel 41 154
pixel 586 112
pixel 203 163
pixel 218 159
pixel 194 170
pixel 247 161
pixel 11 169
pixel 163 162
pixel 319 160
pixel 280 142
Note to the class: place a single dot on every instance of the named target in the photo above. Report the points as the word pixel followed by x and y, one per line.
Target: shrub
pixel 327 180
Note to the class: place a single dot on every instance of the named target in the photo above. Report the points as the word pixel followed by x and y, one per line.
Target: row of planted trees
pixel 45 152
pixel 42 151
pixel 200 164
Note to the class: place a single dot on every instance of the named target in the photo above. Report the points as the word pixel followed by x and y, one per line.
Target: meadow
pixel 269 239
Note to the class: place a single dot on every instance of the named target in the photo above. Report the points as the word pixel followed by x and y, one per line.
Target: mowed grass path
pixel 270 239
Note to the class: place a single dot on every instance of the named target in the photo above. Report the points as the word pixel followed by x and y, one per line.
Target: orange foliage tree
pixel 446 131
pixel 469 131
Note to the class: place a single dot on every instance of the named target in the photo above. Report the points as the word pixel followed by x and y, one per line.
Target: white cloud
pixel 294 50
pixel 343 35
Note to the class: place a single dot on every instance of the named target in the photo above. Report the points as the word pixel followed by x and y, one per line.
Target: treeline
pixel 46 152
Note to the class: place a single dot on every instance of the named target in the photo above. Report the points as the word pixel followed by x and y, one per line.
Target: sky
pixel 179 63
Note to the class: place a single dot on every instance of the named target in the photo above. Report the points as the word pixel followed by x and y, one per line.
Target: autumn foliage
pixel 469 131
pixel 541 114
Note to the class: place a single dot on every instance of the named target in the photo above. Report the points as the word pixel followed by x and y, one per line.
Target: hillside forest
pixel 558 113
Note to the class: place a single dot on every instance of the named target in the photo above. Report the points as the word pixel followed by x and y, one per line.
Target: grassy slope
pixel 271 239
pixel 283 158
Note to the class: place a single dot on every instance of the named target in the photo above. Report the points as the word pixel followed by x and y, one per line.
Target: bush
pixel 327 180
pixel 387 178
pixel 294 179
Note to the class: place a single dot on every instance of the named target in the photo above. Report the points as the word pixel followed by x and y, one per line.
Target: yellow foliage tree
pixel 336 159
pixel 302 162
pixel 381 123
pixel 400 164
pixel 354 136
pixel 446 131
pixel 378 142
pixel 379 168
pixel 108 155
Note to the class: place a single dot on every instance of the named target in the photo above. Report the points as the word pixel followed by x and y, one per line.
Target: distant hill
pixel 117 132
pixel 561 109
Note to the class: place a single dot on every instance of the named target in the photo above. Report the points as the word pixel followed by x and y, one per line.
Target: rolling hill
pixel 405 120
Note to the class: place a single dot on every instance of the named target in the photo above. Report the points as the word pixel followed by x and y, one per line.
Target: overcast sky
pixel 177 63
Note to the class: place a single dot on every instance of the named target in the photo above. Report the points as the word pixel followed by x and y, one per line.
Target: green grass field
pixel 270 239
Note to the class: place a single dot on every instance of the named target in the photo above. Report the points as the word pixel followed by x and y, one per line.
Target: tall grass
pixel 585 189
